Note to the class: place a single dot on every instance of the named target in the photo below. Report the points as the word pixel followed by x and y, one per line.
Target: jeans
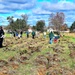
pixel 51 41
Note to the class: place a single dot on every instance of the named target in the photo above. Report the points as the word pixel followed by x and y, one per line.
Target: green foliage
pixel 10 19
pixel 40 25
pixel 34 27
pixel 72 27
pixel 18 24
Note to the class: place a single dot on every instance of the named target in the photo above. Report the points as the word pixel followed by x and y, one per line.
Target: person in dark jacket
pixel 21 33
pixel 1 36
pixel 33 34
pixel 51 35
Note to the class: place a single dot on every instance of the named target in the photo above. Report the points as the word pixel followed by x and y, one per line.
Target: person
pixel 14 33
pixel 51 35
pixel 11 34
pixel 21 33
pixel 33 34
pixel 56 38
pixel 27 33
pixel 1 36
pixel 44 34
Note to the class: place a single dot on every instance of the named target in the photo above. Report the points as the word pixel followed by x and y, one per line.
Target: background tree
pixel 40 25
pixel 19 24
pixel 64 27
pixel 24 20
pixel 25 17
pixel 34 27
pixel 72 28
pixel 11 21
pixel 57 20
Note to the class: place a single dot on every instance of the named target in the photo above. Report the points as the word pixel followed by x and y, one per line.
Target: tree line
pixel 56 21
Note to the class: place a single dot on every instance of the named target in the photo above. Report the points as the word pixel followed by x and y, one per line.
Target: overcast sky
pixel 36 10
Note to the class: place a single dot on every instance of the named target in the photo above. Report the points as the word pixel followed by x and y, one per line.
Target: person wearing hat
pixel 1 36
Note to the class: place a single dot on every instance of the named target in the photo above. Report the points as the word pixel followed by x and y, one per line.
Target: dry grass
pixel 17 46
pixel 70 34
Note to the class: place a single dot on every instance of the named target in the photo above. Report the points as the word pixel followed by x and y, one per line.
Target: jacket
pixel 1 33
pixel 51 35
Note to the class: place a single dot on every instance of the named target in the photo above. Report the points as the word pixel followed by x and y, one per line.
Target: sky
pixel 36 10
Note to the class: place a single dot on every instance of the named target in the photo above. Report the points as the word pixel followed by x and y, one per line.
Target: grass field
pixel 37 57
pixel 8 35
